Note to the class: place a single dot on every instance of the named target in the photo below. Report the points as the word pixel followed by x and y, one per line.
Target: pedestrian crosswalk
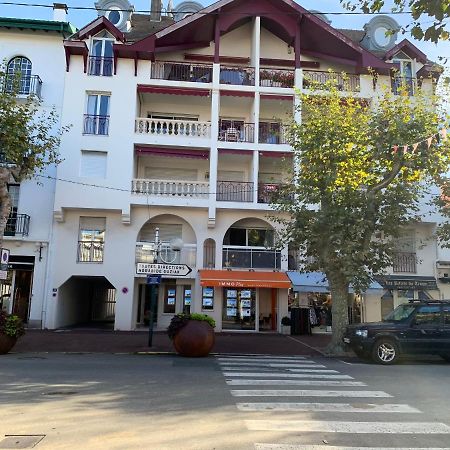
pixel 304 391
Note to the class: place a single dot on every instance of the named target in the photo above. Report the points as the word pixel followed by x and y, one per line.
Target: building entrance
pixel 239 309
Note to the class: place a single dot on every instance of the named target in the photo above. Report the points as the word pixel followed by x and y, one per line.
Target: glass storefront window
pixel 239 309
pixel 170 299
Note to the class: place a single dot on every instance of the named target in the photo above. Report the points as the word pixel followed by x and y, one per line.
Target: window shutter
pixel 229 175
pixel 93 164
pixel 167 173
pixel 92 223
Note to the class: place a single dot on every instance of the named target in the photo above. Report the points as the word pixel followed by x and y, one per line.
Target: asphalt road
pixel 101 401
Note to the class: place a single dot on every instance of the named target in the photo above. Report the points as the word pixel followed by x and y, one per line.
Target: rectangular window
pixel 101 57
pixel 91 240
pixel 207 298
pixel 187 299
pixel 249 237
pixel 170 296
pixel 96 119
pixel 93 164
pixel 14 191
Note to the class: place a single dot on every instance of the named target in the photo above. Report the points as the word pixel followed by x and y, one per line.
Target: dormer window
pixel 101 55
pixel 405 74
pixel 114 16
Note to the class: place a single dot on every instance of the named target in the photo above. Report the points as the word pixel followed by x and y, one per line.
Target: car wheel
pixel 446 356
pixel 385 351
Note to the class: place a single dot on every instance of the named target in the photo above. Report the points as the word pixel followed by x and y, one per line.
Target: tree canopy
pixel 359 178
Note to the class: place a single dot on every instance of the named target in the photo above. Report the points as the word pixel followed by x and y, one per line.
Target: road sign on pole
pixel 154 279
pixel 174 270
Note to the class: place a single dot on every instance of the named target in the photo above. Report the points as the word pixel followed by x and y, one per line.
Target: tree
pixel 438 11
pixel 29 138
pixel 356 185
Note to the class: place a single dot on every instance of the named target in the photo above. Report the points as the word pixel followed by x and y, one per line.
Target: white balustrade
pixel 174 188
pixel 173 128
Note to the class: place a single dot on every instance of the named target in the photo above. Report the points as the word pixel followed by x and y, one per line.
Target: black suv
pixel 411 328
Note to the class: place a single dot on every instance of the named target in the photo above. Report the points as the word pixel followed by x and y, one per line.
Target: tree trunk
pixel 5 200
pixel 339 296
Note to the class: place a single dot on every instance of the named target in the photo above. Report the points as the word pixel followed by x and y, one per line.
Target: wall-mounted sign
pixel 389 282
pixel 4 259
pixel 153 279
pixel 173 270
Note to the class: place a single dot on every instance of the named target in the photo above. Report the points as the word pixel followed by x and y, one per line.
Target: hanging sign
pixel 174 270
pixel 4 259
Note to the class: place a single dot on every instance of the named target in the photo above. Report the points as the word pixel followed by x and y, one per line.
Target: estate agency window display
pixel 239 309
pixel 207 299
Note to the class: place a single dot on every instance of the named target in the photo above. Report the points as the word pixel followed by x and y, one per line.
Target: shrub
pixel 11 325
pixel 180 320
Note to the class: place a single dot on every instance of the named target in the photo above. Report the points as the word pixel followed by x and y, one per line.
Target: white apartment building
pixel 177 141
pixel 35 49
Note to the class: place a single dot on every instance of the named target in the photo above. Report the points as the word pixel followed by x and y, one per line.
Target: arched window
pixel 209 254
pixel 22 66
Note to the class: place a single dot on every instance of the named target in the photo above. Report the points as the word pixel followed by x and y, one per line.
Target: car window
pixel 447 316
pixel 428 315
pixel 400 313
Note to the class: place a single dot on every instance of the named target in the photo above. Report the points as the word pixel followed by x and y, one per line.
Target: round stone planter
pixel 195 339
pixel 6 343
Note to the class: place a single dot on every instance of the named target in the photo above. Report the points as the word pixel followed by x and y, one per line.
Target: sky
pixel 80 18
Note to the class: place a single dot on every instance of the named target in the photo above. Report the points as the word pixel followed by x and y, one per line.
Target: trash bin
pixel 300 323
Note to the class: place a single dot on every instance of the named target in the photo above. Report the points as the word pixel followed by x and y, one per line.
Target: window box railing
pixel 17 225
pixel 171 188
pixel 179 71
pixel 236 131
pixel 250 258
pixel 407 83
pixel 90 251
pixel 234 191
pixel 146 253
pixel 173 128
pixel 272 133
pixel 101 66
pixel 277 78
pixel 26 85
pixel 94 124
pixel 405 262
pixel 237 76
pixel 349 82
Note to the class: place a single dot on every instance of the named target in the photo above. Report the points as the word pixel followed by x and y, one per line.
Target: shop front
pixel 249 301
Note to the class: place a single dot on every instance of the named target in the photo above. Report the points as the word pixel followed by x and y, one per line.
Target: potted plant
pixel 11 328
pixel 286 325
pixel 192 334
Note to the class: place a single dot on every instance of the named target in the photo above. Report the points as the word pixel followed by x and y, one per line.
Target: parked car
pixel 421 327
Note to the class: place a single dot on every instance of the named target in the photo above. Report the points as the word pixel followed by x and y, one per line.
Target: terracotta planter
pixel 6 343
pixel 195 339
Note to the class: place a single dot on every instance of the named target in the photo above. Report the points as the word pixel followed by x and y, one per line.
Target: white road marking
pixel 328 447
pixel 323 426
pixel 259 357
pixel 245 382
pixel 269 366
pixel 278 374
pixel 317 376
pixel 298 364
pixel 306 393
pixel 313 370
pixel 261 360
pixel 329 407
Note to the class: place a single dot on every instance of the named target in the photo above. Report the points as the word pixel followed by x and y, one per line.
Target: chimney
pixel 59 12
pixel 156 7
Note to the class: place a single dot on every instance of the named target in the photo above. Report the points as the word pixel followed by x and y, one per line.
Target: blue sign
pixel 153 279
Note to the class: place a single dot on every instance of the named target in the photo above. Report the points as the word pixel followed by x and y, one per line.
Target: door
pixel 239 309
pixel 425 331
pixel 22 292
pixel 146 294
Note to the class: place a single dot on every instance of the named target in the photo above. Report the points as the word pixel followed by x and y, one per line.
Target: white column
pixel 297 102
pixel 255 175
pixel 214 155
pixel 256 46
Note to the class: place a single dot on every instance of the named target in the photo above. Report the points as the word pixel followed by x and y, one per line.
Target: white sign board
pixel 3 274
pixel 173 270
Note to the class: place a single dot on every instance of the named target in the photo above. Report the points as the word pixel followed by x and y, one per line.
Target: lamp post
pixel 175 246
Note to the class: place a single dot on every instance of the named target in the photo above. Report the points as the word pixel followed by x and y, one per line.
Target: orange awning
pixel 241 278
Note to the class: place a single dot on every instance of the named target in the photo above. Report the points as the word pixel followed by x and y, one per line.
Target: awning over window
pixel 317 282
pixel 172 152
pixel 173 90
pixel 241 278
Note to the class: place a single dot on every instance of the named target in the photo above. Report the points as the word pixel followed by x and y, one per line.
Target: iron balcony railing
pixel 94 124
pixel 409 84
pixel 101 66
pixel 234 191
pixel 241 76
pixel 348 82
pixel 17 225
pixel 277 78
pixel 250 258
pixel 26 85
pixel 272 133
pixel 146 253
pixel 236 131
pixel 90 251
pixel 178 71
pixel 405 262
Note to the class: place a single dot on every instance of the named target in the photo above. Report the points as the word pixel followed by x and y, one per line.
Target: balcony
pixel 408 84
pixel 250 258
pixel 101 66
pixel 17 225
pixel 178 71
pixel 349 82
pixel 145 253
pixel 277 78
pixel 404 262
pixel 173 128
pixel 238 76
pixel 26 85
pixel 234 191
pixel 272 133
pixel 236 131
pixel 94 124
pixel 90 251
pixel 170 188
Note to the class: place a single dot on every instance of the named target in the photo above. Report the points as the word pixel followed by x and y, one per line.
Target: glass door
pixel 239 309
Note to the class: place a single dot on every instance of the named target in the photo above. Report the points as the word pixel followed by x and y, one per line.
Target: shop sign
pixel 173 270
pixel 418 283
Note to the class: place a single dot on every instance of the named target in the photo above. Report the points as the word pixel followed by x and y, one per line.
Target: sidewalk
pixel 102 341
